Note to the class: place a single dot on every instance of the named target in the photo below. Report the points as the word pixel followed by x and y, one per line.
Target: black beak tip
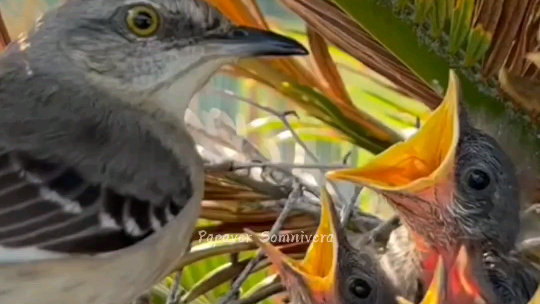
pixel 290 48
pixel 268 44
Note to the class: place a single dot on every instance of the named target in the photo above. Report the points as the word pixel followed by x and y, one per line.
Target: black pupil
pixel 360 288
pixel 478 179
pixel 143 20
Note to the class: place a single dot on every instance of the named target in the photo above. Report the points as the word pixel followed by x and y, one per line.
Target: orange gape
pixel 431 259
pixel 462 286
pixel 430 265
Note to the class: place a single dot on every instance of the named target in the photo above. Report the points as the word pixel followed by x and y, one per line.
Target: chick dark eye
pixel 143 21
pixel 477 179
pixel 360 288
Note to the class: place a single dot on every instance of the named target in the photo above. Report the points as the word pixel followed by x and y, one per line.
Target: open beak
pixel 243 42
pixel 317 271
pixel 420 170
pixel 457 285
pixel 423 162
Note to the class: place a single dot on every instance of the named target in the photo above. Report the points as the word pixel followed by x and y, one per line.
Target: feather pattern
pixel 48 206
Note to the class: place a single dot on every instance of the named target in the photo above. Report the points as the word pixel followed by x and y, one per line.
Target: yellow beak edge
pixel 421 161
pixel 318 268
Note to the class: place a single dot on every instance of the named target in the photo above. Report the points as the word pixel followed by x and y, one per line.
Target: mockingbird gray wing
pixel 48 205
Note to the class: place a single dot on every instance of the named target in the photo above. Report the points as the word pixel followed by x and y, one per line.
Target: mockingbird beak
pixel 316 274
pixel 243 42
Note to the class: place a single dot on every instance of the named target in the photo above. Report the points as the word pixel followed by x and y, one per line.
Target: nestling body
pixel 452 185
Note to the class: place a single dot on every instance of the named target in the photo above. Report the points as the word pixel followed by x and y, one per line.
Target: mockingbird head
pixel 141 48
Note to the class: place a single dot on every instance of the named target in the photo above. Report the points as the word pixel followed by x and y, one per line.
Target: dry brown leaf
pixel 326 67
pixel 340 30
pixel 525 92
pixel 487 14
pixel 4 35
pixel 528 42
pixel 534 58
pixel 508 25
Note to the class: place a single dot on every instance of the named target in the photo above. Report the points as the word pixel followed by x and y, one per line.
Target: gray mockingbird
pixel 100 183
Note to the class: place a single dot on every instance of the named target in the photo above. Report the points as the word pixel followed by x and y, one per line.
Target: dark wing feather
pixel 46 205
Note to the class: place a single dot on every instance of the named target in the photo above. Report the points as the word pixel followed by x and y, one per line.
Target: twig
pixel 346 211
pixel 381 233
pixel 226 167
pixel 295 194
pixel 234 261
pixel 175 295
pixel 347 157
pixel 229 166
pixel 4 35
pixel 283 117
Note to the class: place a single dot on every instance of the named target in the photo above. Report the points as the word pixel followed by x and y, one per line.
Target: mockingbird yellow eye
pixel 143 21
